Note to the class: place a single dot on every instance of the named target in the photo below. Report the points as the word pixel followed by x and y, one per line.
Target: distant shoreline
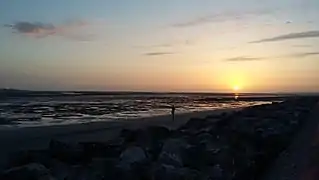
pixel 77 92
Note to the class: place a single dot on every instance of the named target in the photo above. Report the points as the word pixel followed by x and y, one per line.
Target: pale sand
pixel 16 139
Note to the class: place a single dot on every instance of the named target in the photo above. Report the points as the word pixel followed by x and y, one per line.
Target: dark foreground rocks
pixel 240 145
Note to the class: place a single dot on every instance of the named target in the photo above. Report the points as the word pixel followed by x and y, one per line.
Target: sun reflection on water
pixel 236 96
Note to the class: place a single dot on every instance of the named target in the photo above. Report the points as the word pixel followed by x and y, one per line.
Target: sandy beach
pixel 17 139
pixel 259 142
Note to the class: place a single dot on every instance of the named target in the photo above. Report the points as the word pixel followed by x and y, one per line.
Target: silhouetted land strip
pixel 241 145
pixel 11 93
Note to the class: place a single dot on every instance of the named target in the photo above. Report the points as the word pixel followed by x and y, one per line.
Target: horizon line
pixel 155 92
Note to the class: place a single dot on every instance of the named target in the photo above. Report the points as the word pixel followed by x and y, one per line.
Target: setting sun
pixel 236 88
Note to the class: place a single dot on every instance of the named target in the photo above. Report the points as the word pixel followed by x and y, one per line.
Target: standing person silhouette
pixel 173 112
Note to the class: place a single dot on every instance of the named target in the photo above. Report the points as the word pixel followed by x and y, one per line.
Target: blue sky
pixel 176 45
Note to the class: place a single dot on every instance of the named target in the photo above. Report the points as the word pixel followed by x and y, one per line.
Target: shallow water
pixel 46 111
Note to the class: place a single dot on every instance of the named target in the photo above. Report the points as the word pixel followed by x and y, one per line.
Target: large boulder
pixel 77 172
pixel 168 172
pixel 214 172
pixel 142 136
pixel 195 123
pixel 129 135
pixel 59 169
pixel 26 157
pixel 130 156
pixel 68 153
pixel 98 169
pixel 195 157
pixel 31 171
pixel 158 132
pixel 104 167
pixel 172 152
pixel 150 139
pixel 100 149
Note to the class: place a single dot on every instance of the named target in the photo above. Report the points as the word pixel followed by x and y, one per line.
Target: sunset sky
pixel 167 45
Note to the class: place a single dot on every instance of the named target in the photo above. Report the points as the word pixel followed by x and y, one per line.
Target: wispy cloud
pixel 158 53
pixel 294 55
pixel 300 35
pixel 305 54
pixel 162 45
pixel 244 58
pixel 220 17
pixel 167 45
pixel 155 46
pixel 71 30
pixel 302 45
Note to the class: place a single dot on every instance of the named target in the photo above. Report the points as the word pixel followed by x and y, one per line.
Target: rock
pixel 209 141
pixel 77 172
pixel 212 117
pixel 158 132
pixel 172 152
pixel 80 172
pixel 195 123
pixel 217 172
pixel 116 142
pixel 31 171
pixel 195 157
pixel 97 170
pixel 167 172
pixel 129 135
pixel 59 170
pixel 149 134
pixel 205 137
pixel 131 156
pixel 26 157
pixel 214 172
pixel 152 149
pixel 99 149
pixel 104 167
pixel 68 153
pixel 56 145
pixel 150 139
pixel 223 157
pixel 203 151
